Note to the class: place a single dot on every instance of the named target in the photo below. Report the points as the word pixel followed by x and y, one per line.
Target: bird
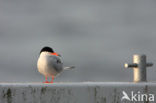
pixel 50 64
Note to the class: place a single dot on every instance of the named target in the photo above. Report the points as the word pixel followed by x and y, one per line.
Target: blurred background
pixel 97 36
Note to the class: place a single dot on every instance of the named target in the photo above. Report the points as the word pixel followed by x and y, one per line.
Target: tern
pixel 50 64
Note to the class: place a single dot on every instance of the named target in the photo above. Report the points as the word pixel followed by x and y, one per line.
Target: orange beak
pixel 55 54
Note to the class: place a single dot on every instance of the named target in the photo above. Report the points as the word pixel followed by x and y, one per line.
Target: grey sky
pixel 98 37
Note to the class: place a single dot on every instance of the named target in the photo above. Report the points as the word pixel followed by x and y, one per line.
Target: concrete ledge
pixel 88 92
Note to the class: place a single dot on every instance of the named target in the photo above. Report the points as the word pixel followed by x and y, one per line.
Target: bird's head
pixel 47 49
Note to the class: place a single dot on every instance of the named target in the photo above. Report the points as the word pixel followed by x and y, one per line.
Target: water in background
pixel 98 37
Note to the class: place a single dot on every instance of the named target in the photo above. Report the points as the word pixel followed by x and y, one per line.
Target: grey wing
pixel 56 63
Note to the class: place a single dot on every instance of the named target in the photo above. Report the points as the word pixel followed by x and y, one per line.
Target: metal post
pixel 139 68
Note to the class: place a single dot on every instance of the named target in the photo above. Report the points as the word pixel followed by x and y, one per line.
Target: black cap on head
pixel 47 49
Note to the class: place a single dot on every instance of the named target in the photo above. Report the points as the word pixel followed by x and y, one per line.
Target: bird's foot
pixel 46 82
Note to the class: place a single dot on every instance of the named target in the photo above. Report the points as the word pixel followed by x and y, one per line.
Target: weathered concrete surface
pixel 88 92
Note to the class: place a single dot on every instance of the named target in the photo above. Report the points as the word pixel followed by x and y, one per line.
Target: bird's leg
pixel 52 79
pixel 46 78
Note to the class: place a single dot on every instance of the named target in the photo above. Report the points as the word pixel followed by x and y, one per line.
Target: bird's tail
pixel 69 68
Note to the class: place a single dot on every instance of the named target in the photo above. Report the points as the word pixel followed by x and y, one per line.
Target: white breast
pixel 44 65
